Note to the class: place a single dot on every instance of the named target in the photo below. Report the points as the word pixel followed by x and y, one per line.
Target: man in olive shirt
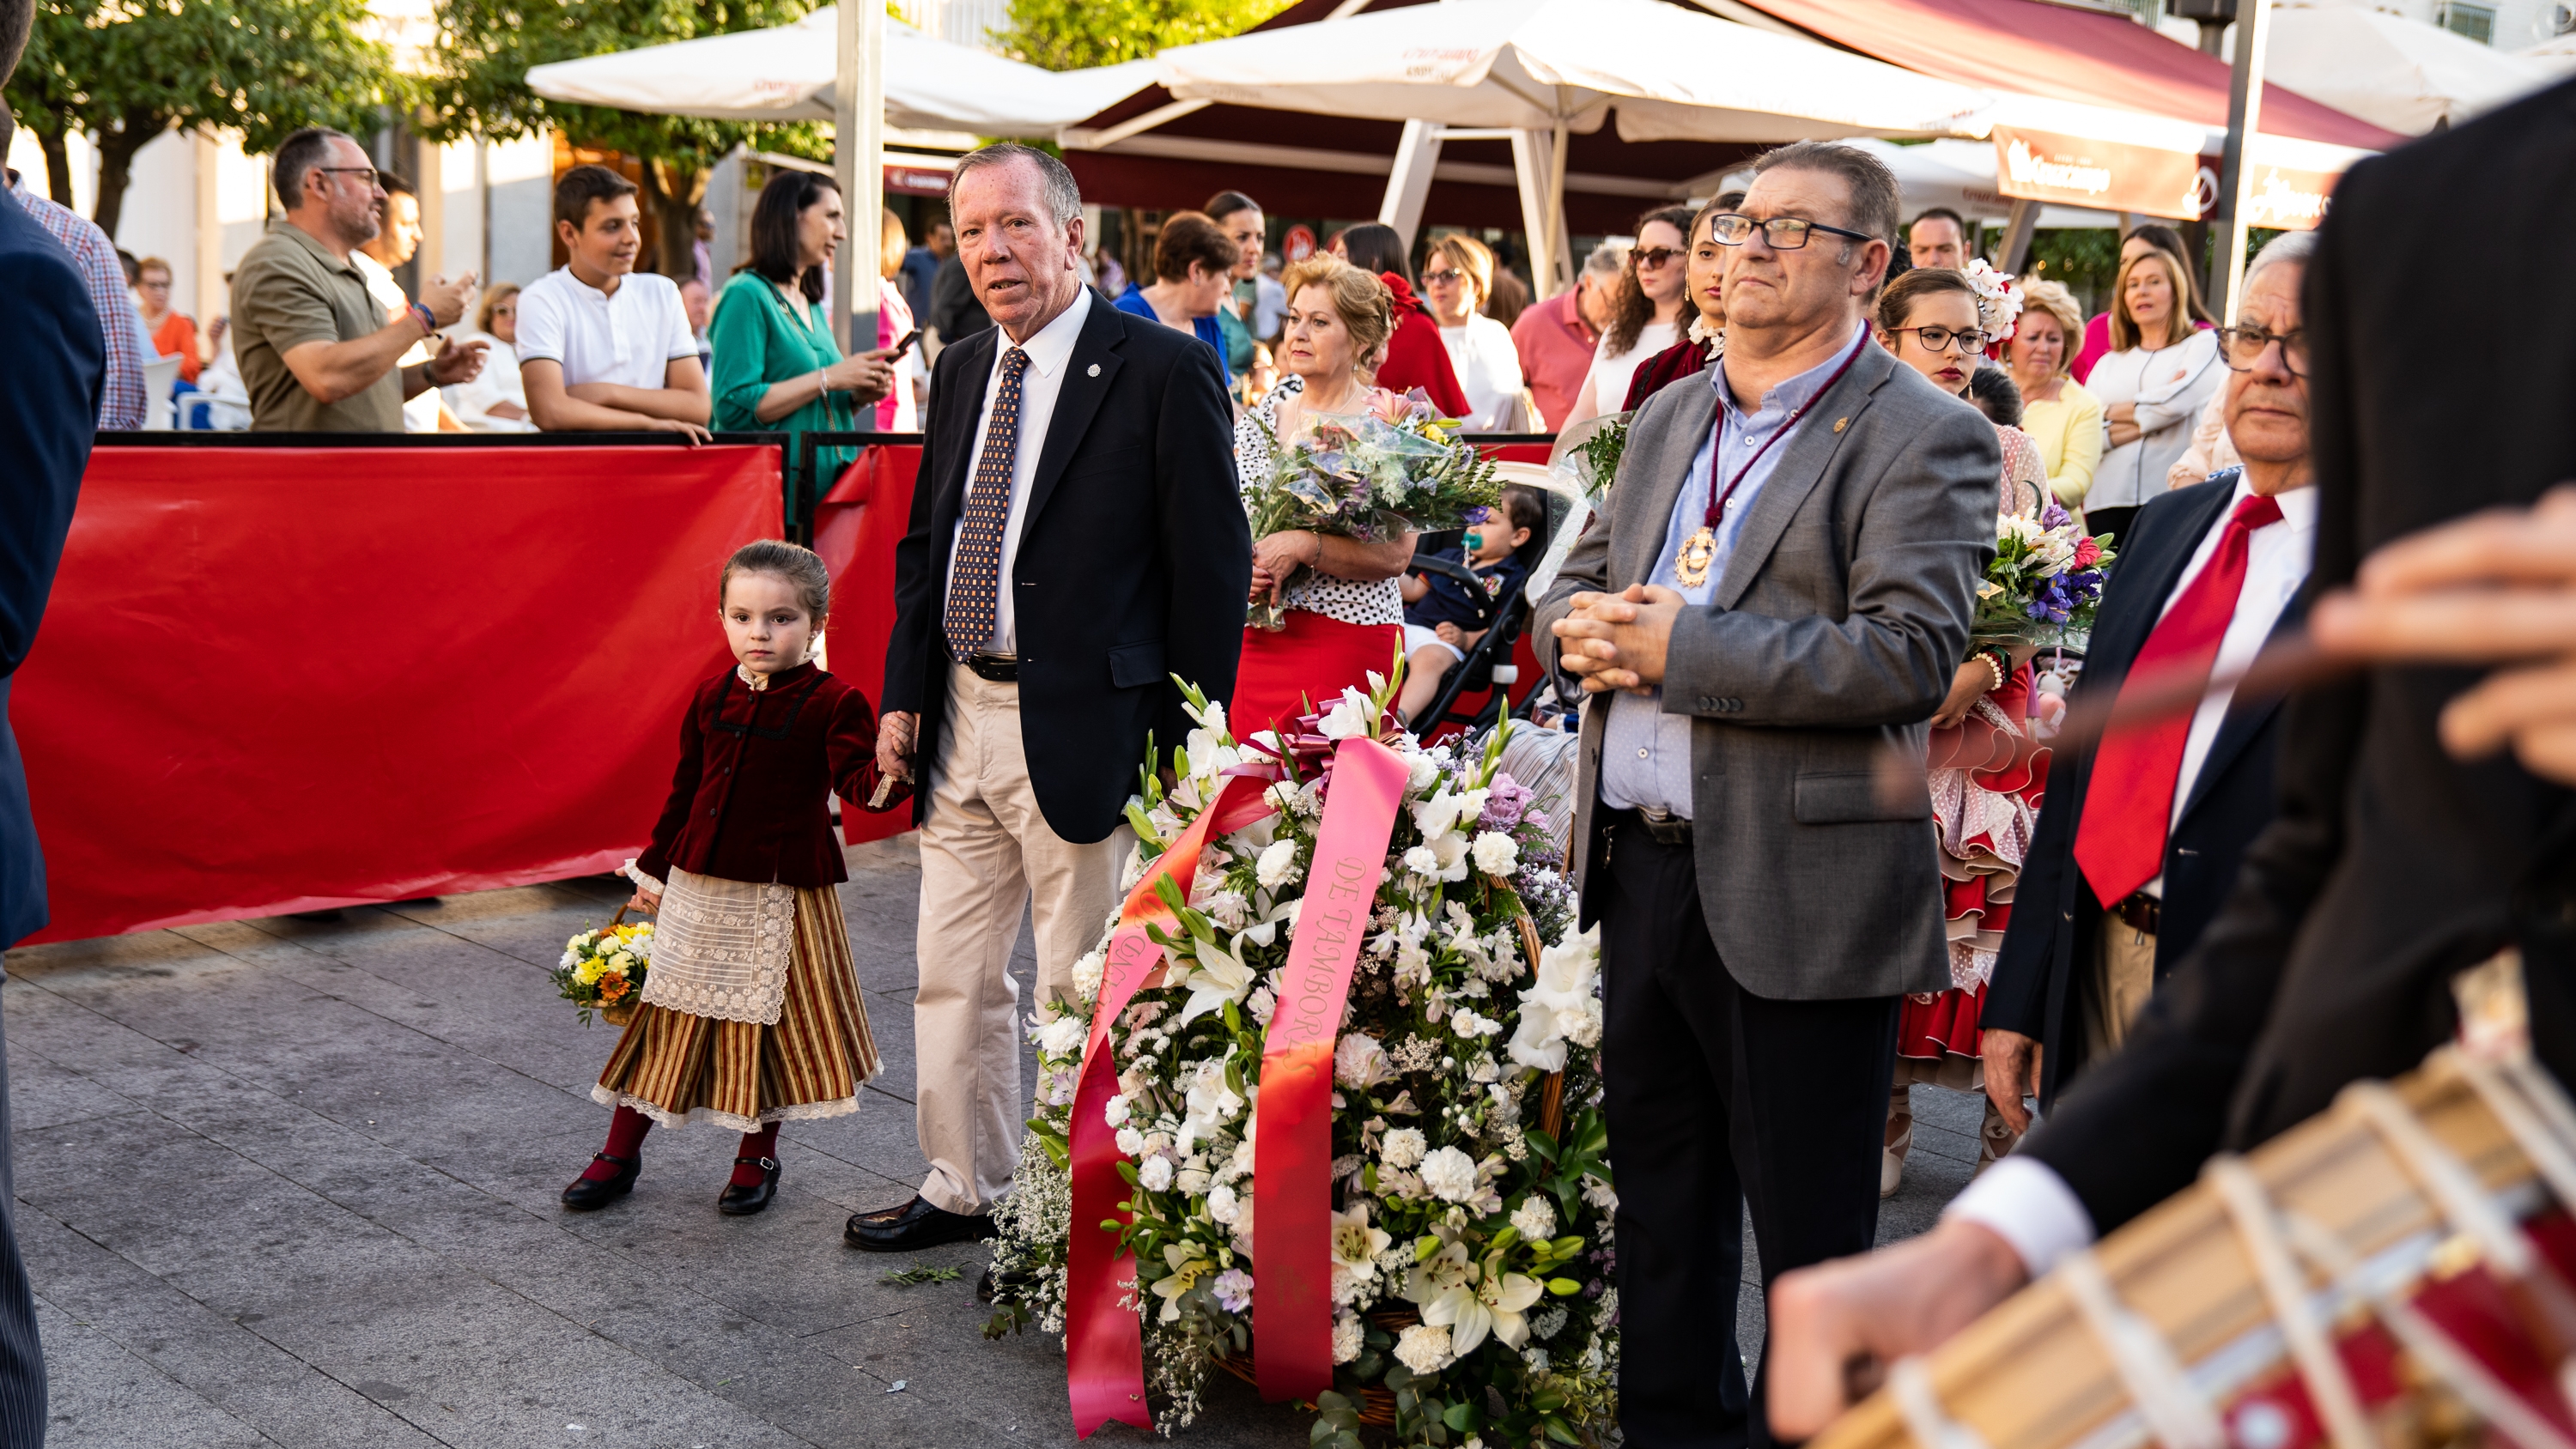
pixel 315 351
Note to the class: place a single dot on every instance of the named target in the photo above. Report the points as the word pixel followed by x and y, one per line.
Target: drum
pixel 2393 1273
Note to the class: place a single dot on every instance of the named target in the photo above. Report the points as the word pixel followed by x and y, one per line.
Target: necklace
pixel 1699 551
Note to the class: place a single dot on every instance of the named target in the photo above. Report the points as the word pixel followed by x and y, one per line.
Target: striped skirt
pixel 677 1068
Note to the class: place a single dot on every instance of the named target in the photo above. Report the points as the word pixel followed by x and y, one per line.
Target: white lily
pixel 1219 977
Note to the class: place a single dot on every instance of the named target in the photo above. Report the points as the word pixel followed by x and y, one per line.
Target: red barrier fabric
pixel 856 526
pixel 281 679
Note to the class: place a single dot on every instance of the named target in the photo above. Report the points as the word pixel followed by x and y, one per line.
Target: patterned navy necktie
pixel 975 580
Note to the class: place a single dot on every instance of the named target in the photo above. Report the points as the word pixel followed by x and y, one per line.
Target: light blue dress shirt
pixel 1645 752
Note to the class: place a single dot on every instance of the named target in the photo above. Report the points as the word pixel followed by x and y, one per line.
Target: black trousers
pixel 22 1355
pixel 1720 1100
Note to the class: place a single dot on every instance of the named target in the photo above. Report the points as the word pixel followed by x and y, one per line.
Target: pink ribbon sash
pixel 1292 1228
pixel 1104 1339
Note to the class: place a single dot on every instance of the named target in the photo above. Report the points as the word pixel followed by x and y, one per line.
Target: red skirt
pixel 1303 668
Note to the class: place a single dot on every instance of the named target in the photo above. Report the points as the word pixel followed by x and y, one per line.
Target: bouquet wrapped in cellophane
pixel 1395 467
pixel 2045 581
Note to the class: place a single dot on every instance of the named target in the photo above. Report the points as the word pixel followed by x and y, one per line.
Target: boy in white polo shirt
pixel 603 347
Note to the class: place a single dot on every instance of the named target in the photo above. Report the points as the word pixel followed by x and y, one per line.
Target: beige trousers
pixel 2128 979
pixel 987 854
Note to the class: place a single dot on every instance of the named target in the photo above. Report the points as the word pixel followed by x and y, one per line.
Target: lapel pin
pixel 1838 424
pixel 1095 370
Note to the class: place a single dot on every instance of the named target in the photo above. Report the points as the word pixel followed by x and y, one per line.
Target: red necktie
pixel 2128 803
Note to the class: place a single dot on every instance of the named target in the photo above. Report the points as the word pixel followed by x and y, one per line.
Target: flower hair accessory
pixel 1999 299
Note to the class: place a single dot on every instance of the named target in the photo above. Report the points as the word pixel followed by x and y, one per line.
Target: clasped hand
pixel 1618 641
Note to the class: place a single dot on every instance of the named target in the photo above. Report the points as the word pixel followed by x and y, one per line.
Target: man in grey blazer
pixel 1777 599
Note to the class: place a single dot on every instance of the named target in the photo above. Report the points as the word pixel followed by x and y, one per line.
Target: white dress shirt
pixel 1488 365
pixel 1050 353
pixel 420 410
pixel 2022 1199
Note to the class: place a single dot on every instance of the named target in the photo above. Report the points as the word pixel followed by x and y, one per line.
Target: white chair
pixel 160 375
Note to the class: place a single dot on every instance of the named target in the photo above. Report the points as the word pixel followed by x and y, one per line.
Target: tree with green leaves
pixel 1076 34
pixel 122 72
pixel 487 46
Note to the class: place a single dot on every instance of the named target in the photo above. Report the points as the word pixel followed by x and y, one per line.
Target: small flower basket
pixel 602 971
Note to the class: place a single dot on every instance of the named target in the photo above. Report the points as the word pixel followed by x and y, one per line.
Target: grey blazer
pixel 1832 636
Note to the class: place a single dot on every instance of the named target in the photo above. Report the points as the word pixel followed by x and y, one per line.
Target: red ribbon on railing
pixel 1292 1201
pixel 1104 1338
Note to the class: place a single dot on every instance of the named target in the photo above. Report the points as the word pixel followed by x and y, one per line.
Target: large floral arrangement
pixel 603 970
pixel 2045 581
pixel 1471 1263
pixel 1395 467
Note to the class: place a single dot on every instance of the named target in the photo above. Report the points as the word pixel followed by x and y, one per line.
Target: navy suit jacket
pixel 1133 564
pixel 2044 975
pixel 49 392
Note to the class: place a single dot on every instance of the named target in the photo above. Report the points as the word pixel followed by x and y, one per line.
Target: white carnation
pixel 1421 861
pixel 1114 1112
pixel 1155 1174
pixel 1087 973
pixel 1222 1205
pixel 1423 1348
pixel 1348 1338
pixel 1278 864
pixel 1535 1218
pixel 1496 854
pixel 1063 1037
pixel 1131 1143
pixel 1359 1062
pixel 1403 1148
pixel 1450 1174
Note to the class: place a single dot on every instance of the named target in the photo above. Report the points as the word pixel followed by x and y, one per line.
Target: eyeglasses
pixel 2242 347
pixel 1655 256
pixel 1784 233
pixel 1441 278
pixel 368 172
pixel 1938 339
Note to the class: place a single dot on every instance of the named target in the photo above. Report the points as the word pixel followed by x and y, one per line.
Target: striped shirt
pixel 120 405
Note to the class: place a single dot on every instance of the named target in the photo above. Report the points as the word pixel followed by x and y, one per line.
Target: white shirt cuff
pixel 2029 1206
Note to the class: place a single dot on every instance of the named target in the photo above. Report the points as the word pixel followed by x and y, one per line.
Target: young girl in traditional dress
pixel 751 1013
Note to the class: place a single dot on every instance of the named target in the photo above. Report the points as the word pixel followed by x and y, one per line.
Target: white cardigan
pixel 2169 386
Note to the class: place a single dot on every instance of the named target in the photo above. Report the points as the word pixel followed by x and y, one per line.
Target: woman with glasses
pixel 1413 356
pixel 2152 384
pixel 1705 285
pixel 2062 417
pixel 1457 280
pixel 1646 313
pixel 1986 774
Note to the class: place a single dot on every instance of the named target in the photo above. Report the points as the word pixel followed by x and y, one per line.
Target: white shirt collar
pixel 2298 506
pixel 574 277
pixel 1052 347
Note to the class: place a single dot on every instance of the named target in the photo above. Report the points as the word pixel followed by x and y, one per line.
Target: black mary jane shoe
pixel 914 1226
pixel 588 1194
pixel 737 1201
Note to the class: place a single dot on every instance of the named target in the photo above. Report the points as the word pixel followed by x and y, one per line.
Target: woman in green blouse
pixel 777 367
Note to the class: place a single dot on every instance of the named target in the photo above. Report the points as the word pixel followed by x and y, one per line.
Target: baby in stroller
pixel 1445 615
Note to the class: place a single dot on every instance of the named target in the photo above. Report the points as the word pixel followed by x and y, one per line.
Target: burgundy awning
pixel 2065 52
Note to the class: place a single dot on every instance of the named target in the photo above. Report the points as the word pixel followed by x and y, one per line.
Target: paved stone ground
pixel 286 1183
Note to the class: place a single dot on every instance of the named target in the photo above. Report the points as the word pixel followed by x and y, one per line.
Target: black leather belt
pixel 1000 668
pixel 1661 826
pixel 2143 912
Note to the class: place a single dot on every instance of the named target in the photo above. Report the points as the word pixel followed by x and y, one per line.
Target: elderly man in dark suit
pixel 2393 865
pixel 1076 542
pixel 49 395
pixel 1780 595
pixel 2141 838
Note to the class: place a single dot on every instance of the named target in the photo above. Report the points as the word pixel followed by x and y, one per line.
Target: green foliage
pixel 1073 34
pixel 907 1277
pixel 2084 259
pixel 487 46
pixel 124 71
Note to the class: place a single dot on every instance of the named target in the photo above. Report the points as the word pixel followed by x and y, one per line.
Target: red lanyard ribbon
pixel 1716 500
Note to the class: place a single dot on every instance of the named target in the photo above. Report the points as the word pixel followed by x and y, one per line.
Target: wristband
pixel 427 319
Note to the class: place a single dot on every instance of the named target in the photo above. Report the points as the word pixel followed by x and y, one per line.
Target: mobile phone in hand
pixel 905 345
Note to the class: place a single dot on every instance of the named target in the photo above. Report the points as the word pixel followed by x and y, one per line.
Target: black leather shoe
pixel 589 1193
pixel 737 1201
pixel 913 1226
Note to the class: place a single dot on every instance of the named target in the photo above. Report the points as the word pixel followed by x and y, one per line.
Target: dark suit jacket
pixel 2043 981
pixel 49 392
pixel 2392 865
pixel 1133 564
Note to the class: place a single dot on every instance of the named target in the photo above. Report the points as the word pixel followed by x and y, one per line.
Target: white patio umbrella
pixel 1672 73
pixel 2392 71
pixel 786 74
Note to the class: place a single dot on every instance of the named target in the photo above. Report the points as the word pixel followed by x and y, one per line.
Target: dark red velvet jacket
pixel 1415 356
pixel 1686 358
pixel 750 800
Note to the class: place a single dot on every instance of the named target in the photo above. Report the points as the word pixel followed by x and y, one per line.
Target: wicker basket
pixel 619 1013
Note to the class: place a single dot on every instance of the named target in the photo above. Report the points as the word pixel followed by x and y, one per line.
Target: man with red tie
pixel 2142 834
